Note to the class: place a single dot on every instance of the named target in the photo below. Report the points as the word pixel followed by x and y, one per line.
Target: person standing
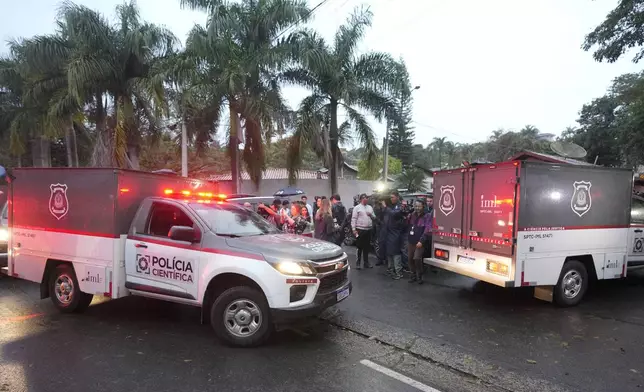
pixel 295 223
pixel 339 215
pixel 362 224
pixel 272 213
pixel 394 224
pixel 309 208
pixel 420 230
pixel 324 221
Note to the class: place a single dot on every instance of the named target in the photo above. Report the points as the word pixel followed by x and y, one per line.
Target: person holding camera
pixel 419 234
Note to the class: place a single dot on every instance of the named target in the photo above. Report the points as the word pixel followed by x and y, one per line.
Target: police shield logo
pixel 58 203
pixel 581 200
pixel 447 201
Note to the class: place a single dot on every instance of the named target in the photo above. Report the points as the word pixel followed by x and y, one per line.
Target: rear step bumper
pixel 485 277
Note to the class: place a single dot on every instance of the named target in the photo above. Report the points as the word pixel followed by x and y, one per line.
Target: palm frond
pixel 364 134
pixel 349 34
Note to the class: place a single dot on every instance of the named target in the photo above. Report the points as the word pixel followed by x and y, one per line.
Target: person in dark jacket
pixel 419 231
pixel 339 216
pixel 394 224
pixel 324 221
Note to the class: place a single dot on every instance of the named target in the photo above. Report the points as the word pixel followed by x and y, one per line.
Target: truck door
pixel 449 206
pixel 491 223
pixel 156 263
pixel 636 234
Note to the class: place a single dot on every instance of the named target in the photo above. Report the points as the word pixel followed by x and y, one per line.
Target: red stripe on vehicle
pixel 64 231
pixel 574 228
pixel 194 247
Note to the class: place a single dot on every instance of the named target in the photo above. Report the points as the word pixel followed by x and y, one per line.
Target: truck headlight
pixel 4 234
pixel 294 268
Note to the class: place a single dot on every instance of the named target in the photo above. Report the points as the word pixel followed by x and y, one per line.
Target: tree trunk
pixel 36 159
pixel 45 151
pixel 233 147
pixel 68 145
pixel 184 149
pixel 333 139
pixel 101 156
pixel 74 144
pixel 133 154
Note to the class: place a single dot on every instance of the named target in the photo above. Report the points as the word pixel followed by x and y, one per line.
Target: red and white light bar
pixel 201 197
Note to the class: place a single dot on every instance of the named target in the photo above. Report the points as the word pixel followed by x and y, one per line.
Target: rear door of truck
pixel 449 210
pixel 636 234
pixel 490 223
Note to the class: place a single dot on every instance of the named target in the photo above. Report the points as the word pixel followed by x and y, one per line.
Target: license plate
pixel 465 260
pixel 342 294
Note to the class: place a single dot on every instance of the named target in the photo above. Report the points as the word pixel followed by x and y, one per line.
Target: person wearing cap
pixel 362 223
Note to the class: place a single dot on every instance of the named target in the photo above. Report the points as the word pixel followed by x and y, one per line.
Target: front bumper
pixel 320 302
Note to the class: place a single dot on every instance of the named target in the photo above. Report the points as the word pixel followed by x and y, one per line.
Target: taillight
pixel 441 254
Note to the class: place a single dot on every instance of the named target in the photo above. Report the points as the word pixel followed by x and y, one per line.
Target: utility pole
pixel 385 147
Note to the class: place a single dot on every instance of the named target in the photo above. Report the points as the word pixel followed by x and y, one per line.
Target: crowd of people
pixel 404 235
pixel 404 231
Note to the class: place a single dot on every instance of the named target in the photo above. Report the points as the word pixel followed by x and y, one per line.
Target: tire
pixel 243 302
pixel 572 284
pixel 68 298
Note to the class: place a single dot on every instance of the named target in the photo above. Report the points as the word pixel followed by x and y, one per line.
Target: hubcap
pixel 571 282
pixel 242 318
pixel 64 288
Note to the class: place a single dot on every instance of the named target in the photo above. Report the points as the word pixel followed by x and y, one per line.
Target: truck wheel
pixel 572 284
pixel 64 290
pixel 240 317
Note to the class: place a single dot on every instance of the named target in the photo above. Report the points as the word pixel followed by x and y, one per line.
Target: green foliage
pixel 339 79
pixel 412 179
pixel 611 128
pixel 401 134
pixel 622 30
pixel 374 172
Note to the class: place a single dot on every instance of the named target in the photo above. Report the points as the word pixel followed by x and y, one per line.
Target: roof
pixel 547 158
pixel 345 164
pixel 273 174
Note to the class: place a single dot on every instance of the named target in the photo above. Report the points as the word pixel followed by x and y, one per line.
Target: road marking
pixel 400 377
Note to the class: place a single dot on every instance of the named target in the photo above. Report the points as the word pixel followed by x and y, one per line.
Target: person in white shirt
pixel 362 223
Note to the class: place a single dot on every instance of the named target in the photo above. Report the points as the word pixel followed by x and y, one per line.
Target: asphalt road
pixel 505 336
pixel 451 334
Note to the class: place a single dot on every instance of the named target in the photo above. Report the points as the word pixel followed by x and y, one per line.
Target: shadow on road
pixel 141 344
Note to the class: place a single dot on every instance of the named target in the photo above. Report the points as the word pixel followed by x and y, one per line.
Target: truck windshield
pixel 232 220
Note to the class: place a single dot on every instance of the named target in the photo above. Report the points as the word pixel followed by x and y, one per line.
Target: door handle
pixel 638 230
pixel 141 245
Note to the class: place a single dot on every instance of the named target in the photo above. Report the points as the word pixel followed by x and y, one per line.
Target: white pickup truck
pixel 111 232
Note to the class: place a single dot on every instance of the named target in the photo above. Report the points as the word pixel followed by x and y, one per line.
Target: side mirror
pixel 183 233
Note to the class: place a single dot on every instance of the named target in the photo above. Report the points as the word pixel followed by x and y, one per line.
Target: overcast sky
pixel 480 65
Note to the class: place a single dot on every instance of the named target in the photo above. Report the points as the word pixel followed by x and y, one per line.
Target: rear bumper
pixel 485 277
pixel 320 302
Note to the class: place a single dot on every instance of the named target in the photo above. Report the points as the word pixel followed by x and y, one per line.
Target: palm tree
pixel 412 179
pixel 339 79
pixel 22 118
pixel 107 65
pixel 438 144
pixel 234 61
